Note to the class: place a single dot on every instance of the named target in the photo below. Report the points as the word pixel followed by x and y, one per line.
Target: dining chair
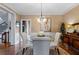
pixel 54 44
pixel 26 45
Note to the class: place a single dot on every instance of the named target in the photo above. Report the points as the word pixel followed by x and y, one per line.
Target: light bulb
pixel 41 19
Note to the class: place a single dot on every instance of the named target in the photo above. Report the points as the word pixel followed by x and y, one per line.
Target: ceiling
pixel 35 8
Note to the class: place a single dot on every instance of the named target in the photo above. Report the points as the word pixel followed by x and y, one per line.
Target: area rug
pixel 29 51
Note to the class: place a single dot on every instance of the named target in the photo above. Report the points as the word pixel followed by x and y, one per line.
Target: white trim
pixel 7 9
pixel 26 23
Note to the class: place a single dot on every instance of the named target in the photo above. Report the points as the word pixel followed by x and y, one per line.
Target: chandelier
pixel 41 18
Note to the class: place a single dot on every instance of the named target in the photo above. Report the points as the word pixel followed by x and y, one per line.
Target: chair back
pixel 57 37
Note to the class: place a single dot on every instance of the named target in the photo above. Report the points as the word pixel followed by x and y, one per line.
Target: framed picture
pixel 47 25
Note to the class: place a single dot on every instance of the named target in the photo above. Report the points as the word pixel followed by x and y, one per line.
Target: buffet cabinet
pixel 72 40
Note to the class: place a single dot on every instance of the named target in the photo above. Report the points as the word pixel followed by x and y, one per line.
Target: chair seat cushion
pixel 53 44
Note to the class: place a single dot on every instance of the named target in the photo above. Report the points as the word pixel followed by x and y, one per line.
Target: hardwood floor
pixel 69 50
pixel 7 50
pixel 11 51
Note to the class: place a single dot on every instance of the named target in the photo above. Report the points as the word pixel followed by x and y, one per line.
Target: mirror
pixel 76 26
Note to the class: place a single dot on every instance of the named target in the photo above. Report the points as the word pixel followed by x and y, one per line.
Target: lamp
pixel 41 18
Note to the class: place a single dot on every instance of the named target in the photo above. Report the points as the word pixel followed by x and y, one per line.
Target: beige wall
pixel 55 22
pixel 18 17
pixel 34 24
pixel 72 16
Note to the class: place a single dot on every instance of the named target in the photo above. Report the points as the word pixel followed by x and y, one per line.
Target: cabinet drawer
pixel 76 44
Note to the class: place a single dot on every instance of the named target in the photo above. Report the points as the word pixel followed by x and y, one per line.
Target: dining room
pixel 44 28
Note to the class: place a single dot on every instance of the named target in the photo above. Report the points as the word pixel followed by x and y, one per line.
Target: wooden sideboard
pixel 72 40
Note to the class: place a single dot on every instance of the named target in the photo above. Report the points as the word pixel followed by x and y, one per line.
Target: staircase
pixel 3 29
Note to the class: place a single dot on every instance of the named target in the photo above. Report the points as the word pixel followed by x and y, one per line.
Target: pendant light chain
pixel 41 19
pixel 41 9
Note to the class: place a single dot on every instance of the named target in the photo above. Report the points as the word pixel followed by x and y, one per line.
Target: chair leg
pixel 23 51
pixel 57 50
pixel 26 48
